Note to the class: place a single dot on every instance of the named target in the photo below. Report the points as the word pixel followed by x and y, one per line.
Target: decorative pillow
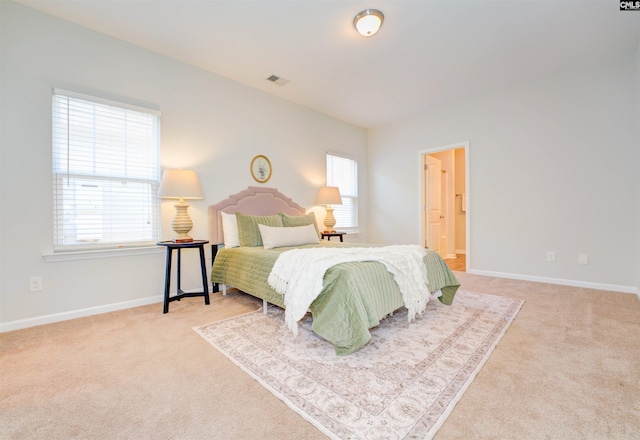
pixel 230 230
pixel 300 220
pixel 248 231
pixel 287 236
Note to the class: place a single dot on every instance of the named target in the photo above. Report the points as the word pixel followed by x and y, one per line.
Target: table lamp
pixel 329 195
pixel 180 184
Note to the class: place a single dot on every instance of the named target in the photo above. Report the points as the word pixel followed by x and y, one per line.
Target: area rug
pixel 402 384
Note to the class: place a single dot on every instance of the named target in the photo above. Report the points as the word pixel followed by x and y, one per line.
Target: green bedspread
pixel 355 297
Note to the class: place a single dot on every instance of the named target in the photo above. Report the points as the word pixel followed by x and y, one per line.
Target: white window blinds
pixel 105 173
pixel 343 173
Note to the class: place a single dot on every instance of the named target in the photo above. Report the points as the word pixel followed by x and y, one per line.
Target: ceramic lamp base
pixel 182 223
pixel 329 221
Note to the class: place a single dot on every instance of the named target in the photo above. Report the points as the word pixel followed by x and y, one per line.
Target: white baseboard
pixel 461 251
pixel 81 313
pixel 562 282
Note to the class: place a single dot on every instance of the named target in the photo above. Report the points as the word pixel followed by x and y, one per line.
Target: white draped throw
pixel 298 275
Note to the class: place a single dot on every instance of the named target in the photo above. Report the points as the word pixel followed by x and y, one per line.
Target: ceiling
pixel 428 54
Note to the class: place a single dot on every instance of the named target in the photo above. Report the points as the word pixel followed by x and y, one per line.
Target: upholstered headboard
pixel 252 201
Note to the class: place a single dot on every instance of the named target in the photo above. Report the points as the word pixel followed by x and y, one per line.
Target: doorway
pixel 445 219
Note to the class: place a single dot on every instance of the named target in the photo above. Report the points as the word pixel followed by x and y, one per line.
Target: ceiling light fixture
pixel 368 22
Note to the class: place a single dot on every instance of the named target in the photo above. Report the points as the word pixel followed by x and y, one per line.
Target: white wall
pixel 553 166
pixel 638 119
pixel 1 179
pixel 209 124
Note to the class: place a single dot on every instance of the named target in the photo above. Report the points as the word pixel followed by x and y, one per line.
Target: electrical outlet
pixel 583 258
pixel 551 256
pixel 35 284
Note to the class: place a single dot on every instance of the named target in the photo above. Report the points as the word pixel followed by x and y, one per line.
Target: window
pixel 105 173
pixel 343 173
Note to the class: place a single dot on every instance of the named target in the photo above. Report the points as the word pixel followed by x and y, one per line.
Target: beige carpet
pixel 568 368
pixel 402 384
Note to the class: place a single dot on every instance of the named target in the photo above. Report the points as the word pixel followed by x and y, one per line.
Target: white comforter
pixel 298 275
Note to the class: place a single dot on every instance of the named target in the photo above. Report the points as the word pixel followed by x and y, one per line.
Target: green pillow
pixel 248 232
pixel 300 220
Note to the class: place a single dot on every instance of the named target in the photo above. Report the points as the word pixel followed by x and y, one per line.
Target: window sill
pixel 101 253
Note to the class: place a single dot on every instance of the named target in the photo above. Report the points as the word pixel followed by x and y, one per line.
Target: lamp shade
pixel 368 22
pixel 180 184
pixel 329 195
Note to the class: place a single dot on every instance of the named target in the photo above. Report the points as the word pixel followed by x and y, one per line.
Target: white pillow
pixel 230 230
pixel 287 236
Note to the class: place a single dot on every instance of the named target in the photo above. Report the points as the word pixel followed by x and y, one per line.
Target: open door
pixel 445 189
pixel 433 208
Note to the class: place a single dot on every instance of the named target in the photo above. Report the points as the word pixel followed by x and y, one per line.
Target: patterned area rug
pixel 402 384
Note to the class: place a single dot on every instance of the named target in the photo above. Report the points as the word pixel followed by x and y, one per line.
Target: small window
pixel 343 173
pixel 105 173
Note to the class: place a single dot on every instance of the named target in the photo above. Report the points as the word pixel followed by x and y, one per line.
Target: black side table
pixel 332 234
pixel 170 245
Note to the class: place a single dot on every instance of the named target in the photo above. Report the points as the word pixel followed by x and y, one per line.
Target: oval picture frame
pixel 261 168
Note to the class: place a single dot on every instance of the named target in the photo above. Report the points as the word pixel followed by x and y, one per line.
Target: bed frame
pixel 351 289
pixel 255 200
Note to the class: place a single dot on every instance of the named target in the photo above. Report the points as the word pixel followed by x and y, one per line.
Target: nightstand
pixel 328 235
pixel 195 244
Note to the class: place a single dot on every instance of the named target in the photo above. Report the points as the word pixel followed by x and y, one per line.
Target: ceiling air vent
pixel 277 80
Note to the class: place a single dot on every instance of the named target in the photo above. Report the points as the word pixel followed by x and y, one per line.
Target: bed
pixel 355 296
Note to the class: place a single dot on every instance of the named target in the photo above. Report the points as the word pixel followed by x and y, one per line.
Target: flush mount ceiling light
pixel 368 22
